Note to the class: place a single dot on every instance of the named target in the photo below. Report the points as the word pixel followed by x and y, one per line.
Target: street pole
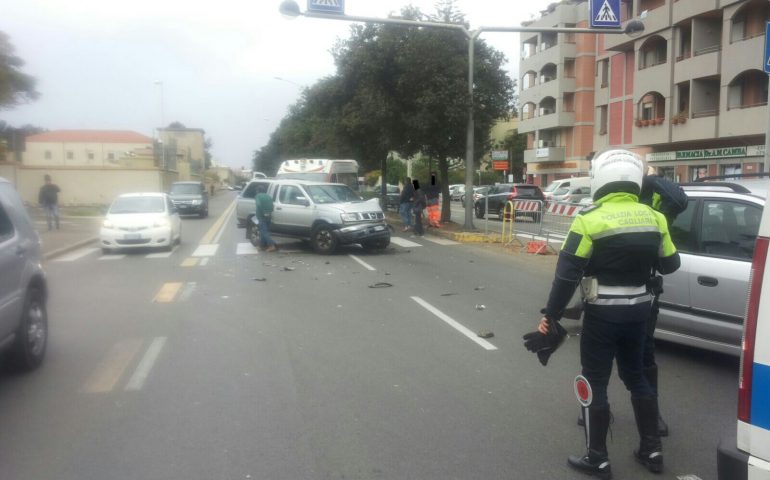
pixel 766 166
pixel 470 134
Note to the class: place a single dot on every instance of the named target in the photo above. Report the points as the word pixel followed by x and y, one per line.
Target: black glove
pixel 545 344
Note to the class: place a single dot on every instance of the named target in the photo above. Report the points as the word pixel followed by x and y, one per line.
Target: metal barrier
pixel 537 221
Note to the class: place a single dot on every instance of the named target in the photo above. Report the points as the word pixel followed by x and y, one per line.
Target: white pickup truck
pixel 325 214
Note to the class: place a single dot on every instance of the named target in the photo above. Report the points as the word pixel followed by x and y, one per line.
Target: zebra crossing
pixel 205 251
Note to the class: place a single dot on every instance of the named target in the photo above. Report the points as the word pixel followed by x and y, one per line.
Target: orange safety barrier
pixel 434 215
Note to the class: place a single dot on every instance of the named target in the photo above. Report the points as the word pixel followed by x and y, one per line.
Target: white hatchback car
pixel 137 220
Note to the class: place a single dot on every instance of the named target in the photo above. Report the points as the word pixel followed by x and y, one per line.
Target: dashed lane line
pixel 137 380
pixel 77 255
pixel 190 262
pixel 110 370
pixel 363 263
pixel 167 292
pixel 440 240
pixel 454 324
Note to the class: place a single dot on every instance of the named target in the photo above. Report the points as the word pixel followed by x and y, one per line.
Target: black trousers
pixel 648 356
pixel 610 333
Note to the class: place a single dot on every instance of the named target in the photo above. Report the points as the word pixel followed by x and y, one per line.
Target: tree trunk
pixel 446 202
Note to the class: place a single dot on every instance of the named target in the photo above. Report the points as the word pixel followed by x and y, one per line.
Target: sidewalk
pixel 74 232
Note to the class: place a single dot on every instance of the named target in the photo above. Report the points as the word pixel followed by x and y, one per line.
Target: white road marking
pixel 76 255
pixel 440 240
pixel 454 324
pixel 224 224
pixel 112 257
pixel 246 249
pixel 187 291
pixel 363 263
pixel 208 250
pixel 204 261
pixel 402 242
pixel 162 254
pixel 136 382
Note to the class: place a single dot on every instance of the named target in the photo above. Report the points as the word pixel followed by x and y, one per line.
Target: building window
pixel 685 43
pixel 699 171
pixel 749 21
pixel 110 156
pixel 603 120
pixel 603 72
pixel 70 155
pixel 747 90
pixel 47 155
pixel 569 68
pixel 90 155
pixel 653 52
pixel 652 109
pixel 734 169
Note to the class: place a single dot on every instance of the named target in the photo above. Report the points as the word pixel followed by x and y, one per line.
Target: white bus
pixel 321 170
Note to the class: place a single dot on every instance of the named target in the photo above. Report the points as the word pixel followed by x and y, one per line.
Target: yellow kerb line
pixel 190 262
pixel 167 292
pixel 212 232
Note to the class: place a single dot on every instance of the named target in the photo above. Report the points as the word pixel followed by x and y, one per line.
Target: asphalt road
pixel 215 362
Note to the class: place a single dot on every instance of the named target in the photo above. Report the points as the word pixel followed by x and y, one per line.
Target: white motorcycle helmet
pixel 616 171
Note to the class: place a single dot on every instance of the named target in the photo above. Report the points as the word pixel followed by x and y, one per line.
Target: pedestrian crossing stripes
pixel 77 255
pixel 246 249
pixel 402 242
pixel 440 240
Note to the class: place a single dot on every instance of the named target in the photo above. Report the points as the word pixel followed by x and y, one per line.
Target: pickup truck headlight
pixel 161 223
pixel 196 202
pixel 350 217
pixel 108 224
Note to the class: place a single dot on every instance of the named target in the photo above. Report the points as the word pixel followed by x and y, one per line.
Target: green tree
pixel 16 87
pixel 515 143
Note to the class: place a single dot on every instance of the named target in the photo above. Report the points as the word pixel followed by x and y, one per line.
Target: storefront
pixel 689 165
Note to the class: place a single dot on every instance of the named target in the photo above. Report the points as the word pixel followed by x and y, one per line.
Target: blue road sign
pixel 766 60
pixel 326 6
pixel 605 13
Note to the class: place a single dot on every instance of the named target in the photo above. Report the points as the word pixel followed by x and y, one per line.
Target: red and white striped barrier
pixel 564 209
pixel 527 206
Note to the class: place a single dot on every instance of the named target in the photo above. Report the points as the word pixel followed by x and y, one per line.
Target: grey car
pixel 703 303
pixel 190 198
pixel 23 288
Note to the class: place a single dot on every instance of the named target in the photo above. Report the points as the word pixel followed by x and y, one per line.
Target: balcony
pixel 655 78
pixel 547 154
pixel 697 128
pixel 555 54
pixel 741 56
pixel 741 121
pixel 552 120
pixel 655 133
pixel 684 9
pixel 705 63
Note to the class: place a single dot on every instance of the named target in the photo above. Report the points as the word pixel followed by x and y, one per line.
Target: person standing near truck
pixel 264 216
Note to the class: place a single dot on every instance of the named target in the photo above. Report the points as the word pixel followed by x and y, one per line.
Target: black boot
pixel 650 449
pixel 595 461
pixel 651 374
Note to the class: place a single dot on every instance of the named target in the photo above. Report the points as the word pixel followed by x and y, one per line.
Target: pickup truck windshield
pixel 332 194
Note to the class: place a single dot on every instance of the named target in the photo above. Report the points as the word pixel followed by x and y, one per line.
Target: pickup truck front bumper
pixel 362 232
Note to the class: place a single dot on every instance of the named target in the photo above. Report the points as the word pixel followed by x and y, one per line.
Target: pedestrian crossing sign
pixel 605 13
pixel 326 6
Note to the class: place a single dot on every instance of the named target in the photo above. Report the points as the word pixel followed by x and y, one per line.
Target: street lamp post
pixel 290 9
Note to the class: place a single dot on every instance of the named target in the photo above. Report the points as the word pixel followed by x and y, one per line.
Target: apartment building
pixel 689 94
pixel 557 95
pixel 186 148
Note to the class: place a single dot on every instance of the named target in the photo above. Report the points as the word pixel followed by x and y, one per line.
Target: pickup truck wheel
pixel 252 233
pixel 376 244
pixel 32 334
pixel 323 240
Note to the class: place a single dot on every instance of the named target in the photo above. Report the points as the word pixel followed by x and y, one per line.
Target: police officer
pixel 610 250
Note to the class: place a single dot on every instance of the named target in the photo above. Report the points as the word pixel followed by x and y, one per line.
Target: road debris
pixel 257 279
pixel 381 285
pixel 480 307
pixel 485 334
pixel 288 269
pixel 480 288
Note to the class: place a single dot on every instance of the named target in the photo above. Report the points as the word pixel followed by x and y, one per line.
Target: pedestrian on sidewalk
pixel 405 204
pixel 432 195
pixel 418 205
pixel 264 216
pixel 48 198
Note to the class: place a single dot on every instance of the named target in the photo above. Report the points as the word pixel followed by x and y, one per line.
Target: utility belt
pixel 612 295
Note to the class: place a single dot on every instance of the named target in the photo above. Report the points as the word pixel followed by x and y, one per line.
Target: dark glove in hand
pixel 545 344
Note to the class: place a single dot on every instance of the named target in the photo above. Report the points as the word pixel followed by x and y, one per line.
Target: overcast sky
pixel 97 61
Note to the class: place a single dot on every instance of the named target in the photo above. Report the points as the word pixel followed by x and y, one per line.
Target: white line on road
pixel 136 382
pixel 246 249
pixel 439 240
pixel 162 254
pixel 77 254
pixel 402 242
pixel 112 257
pixel 454 324
pixel 187 291
pixel 363 263
pixel 208 250
pixel 225 223
pixel 204 261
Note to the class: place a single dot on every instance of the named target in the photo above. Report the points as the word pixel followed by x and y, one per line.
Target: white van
pixel 748 455
pixel 556 185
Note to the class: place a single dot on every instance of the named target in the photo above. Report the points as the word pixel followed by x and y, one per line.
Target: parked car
pixel 456 192
pixel 137 220
pixel 23 287
pixel 557 185
pixel 499 195
pixel 570 194
pixel 245 205
pixel 325 214
pixel 393 197
pixel 704 301
pixel 190 198
pixel 478 192
pixel 744 453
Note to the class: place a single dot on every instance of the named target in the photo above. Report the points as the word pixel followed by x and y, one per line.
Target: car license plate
pixel 379 228
pixel 132 236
